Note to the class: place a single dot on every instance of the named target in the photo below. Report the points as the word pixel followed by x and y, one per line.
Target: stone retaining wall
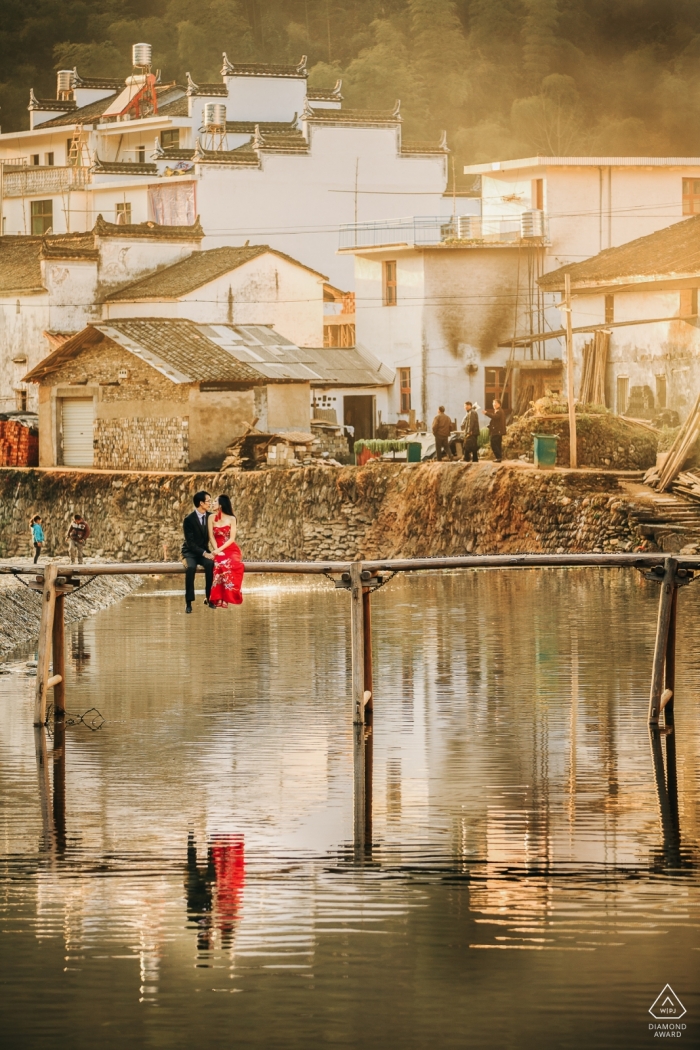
pixel 316 512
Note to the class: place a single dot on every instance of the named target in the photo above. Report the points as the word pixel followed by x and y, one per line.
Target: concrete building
pixel 154 393
pixel 257 155
pixel 644 296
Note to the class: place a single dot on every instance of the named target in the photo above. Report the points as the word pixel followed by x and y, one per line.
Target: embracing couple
pixel 210 534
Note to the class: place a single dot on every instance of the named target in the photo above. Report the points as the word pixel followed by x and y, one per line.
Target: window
pixel 405 389
pixel 609 309
pixel 21 400
pixel 42 217
pixel 141 155
pixel 689 302
pixel 537 194
pixel 48 160
pixel 494 379
pixel 170 138
pixel 390 284
pixel 35 159
pixel 123 213
pixel 661 391
pixel 623 390
pixel 691 196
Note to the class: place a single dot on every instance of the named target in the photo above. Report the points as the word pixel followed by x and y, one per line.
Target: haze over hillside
pixel 504 77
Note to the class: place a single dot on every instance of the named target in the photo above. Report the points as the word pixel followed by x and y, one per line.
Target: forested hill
pixel 505 77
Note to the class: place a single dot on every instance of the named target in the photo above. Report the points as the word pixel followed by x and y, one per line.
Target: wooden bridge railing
pixel 55 580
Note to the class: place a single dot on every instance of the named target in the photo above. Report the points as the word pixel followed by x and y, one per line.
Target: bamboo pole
pixel 58 645
pixel 367 646
pixel 357 635
pixel 668 586
pixel 48 605
pixel 573 459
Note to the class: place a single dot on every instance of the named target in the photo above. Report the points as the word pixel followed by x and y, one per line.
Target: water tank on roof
pixel 141 55
pixel 64 81
pixel 532 224
pixel 215 115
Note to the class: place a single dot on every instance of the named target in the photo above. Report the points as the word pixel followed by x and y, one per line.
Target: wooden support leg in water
pixel 358 643
pixel 670 670
pixel 48 605
pixel 367 644
pixel 661 665
pixel 58 644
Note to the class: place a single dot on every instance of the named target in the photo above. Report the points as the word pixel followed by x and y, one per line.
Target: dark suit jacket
pixel 196 536
pixel 497 426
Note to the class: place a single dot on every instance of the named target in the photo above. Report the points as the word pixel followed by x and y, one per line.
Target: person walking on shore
pixel 497 429
pixel 470 430
pixel 442 428
pixel 195 549
pixel 78 532
pixel 37 536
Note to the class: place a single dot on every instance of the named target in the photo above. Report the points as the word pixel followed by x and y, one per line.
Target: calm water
pixel 195 873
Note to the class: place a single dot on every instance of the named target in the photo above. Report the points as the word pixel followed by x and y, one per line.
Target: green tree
pixel 539 38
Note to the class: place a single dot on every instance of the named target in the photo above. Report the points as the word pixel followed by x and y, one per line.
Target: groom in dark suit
pixel 195 549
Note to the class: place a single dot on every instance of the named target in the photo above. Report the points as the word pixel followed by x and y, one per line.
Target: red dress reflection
pixel 229 863
pixel 228 570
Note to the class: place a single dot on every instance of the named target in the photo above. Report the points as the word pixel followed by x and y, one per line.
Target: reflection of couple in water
pixel 224 873
pixel 210 535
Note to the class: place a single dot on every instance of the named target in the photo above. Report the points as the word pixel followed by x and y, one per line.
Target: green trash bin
pixel 414 451
pixel 545 450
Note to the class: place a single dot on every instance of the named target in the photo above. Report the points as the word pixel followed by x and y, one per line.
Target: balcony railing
pixel 29 181
pixel 426 230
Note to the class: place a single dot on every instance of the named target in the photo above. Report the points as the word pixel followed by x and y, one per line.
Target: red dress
pixel 228 570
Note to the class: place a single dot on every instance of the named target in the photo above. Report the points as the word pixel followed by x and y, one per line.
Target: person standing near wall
pixel 470 429
pixel 38 538
pixel 442 428
pixel 497 428
pixel 78 532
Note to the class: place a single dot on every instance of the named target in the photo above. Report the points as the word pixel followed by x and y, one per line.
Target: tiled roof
pixel 244 156
pixel 352 116
pixel 47 104
pixel 118 167
pixel 269 127
pixel 99 83
pixel 290 141
pixel 102 228
pixel 196 270
pixel 186 352
pixel 84 115
pixel 20 259
pixel 423 147
pixel 259 69
pixel 187 274
pixel 354 366
pixel 176 107
pixel 212 90
pixel 670 253
pixel 174 153
pixel 330 95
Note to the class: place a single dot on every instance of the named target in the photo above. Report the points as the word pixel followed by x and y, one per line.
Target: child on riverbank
pixel 38 538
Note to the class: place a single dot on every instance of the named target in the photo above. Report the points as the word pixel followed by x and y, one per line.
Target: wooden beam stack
pixel 595 361
pixel 679 452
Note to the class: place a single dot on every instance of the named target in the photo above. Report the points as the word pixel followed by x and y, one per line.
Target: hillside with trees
pixel 506 78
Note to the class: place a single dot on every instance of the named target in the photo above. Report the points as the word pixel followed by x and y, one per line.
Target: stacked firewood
pixel 662 477
pixel 595 359
pixel 19 444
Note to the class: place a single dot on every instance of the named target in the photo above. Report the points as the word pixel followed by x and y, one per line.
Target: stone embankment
pixel 20 608
pixel 380 510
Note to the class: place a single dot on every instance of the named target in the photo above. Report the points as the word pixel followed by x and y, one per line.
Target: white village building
pixel 452 304
pixel 256 155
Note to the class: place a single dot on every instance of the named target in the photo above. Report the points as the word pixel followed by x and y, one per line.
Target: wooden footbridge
pixel 360 578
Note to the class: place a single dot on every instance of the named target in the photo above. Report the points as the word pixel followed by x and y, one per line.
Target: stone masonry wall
pixel 160 443
pixel 318 512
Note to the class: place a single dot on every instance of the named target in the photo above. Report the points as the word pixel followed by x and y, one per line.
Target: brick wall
pixel 100 364
pixel 160 443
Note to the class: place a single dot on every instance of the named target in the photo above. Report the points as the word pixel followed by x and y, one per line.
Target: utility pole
pixel 570 372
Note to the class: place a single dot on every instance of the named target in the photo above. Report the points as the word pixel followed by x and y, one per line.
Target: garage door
pixel 77 419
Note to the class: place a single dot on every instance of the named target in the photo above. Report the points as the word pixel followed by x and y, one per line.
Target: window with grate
pixel 622 394
pixel 494 386
pixel 170 138
pixel 405 389
pixel 691 196
pixel 48 160
pixel 390 283
pixel 42 217
pixel 123 213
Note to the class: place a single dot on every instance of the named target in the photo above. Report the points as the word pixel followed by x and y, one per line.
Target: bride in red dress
pixel 228 566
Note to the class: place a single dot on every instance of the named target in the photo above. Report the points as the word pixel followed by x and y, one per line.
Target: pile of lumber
pixel 251 451
pixel 595 360
pixel 662 478
pixel 19 444
pixel 688 484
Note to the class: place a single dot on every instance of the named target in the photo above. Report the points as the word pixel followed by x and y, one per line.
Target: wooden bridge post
pixel 58 645
pixel 367 644
pixel 357 632
pixel 48 605
pixel 665 639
